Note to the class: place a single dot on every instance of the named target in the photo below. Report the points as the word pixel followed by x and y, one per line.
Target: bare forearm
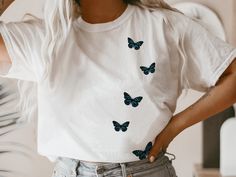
pixel 217 99
pixel 4 5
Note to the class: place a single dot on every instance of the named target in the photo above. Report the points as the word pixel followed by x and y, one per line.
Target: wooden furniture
pixel 205 172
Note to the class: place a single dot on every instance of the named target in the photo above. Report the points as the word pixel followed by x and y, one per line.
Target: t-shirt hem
pixel 105 156
pixel 222 68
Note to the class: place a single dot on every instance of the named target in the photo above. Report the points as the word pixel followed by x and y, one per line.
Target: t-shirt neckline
pixel 98 27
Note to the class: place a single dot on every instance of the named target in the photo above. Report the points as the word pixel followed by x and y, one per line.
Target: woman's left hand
pixel 163 140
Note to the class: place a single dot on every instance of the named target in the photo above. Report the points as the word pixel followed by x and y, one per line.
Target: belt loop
pixel 74 165
pixel 99 169
pixel 96 170
pixel 174 157
pixel 123 169
pixel 77 163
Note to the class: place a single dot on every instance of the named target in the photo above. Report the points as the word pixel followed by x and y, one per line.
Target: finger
pixel 153 155
pixel 155 150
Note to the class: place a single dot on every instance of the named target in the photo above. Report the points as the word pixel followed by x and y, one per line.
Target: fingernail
pixel 152 158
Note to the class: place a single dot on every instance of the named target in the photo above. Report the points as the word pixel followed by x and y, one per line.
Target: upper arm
pixel 4 57
pixel 5 61
pixel 230 69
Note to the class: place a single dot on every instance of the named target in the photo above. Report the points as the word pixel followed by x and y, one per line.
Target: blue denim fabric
pixel 161 167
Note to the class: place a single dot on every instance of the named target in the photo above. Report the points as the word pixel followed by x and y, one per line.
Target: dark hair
pixel 77 1
pixel 131 1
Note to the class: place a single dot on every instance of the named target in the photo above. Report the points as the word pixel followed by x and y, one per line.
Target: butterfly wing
pixel 131 43
pixel 128 98
pixel 134 103
pixel 142 156
pixel 130 40
pixel 145 70
pixel 152 68
pixel 138 152
pixel 148 148
pixel 138 99
pixel 117 126
pixel 137 45
pixel 124 126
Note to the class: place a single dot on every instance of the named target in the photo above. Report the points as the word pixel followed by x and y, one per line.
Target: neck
pixel 101 11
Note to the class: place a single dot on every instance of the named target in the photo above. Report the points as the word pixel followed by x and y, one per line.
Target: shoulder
pixel 174 21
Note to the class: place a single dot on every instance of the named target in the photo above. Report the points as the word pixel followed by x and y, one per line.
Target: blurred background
pixel 197 149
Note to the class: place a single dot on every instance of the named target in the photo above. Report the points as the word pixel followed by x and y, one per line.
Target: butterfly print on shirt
pixel 142 154
pixel 133 101
pixel 147 70
pixel 135 45
pixel 123 127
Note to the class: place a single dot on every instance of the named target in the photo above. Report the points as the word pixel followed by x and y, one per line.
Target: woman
pixel 108 81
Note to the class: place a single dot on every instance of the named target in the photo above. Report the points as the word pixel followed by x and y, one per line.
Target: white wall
pixel 187 146
pixel 20 7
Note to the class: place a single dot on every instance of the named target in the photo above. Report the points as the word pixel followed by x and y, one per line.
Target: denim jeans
pixel 161 167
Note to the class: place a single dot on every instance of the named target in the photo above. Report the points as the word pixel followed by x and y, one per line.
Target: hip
pixel 161 167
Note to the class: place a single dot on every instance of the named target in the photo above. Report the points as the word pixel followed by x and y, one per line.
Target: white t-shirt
pixel 114 86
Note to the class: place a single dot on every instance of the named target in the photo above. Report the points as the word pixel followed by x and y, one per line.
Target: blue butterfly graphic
pixel 119 127
pixel 132 44
pixel 147 70
pixel 133 101
pixel 143 154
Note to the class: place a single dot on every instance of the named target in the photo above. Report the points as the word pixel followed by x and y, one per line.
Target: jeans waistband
pixel 101 168
pixel 126 167
pixel 159 159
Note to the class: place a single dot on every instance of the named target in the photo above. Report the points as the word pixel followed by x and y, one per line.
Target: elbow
pixel 234 76
pixel 232 79
pixel 228 86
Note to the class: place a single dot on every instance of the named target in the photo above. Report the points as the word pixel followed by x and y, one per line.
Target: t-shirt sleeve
pixel 205 56
pixel 23 43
